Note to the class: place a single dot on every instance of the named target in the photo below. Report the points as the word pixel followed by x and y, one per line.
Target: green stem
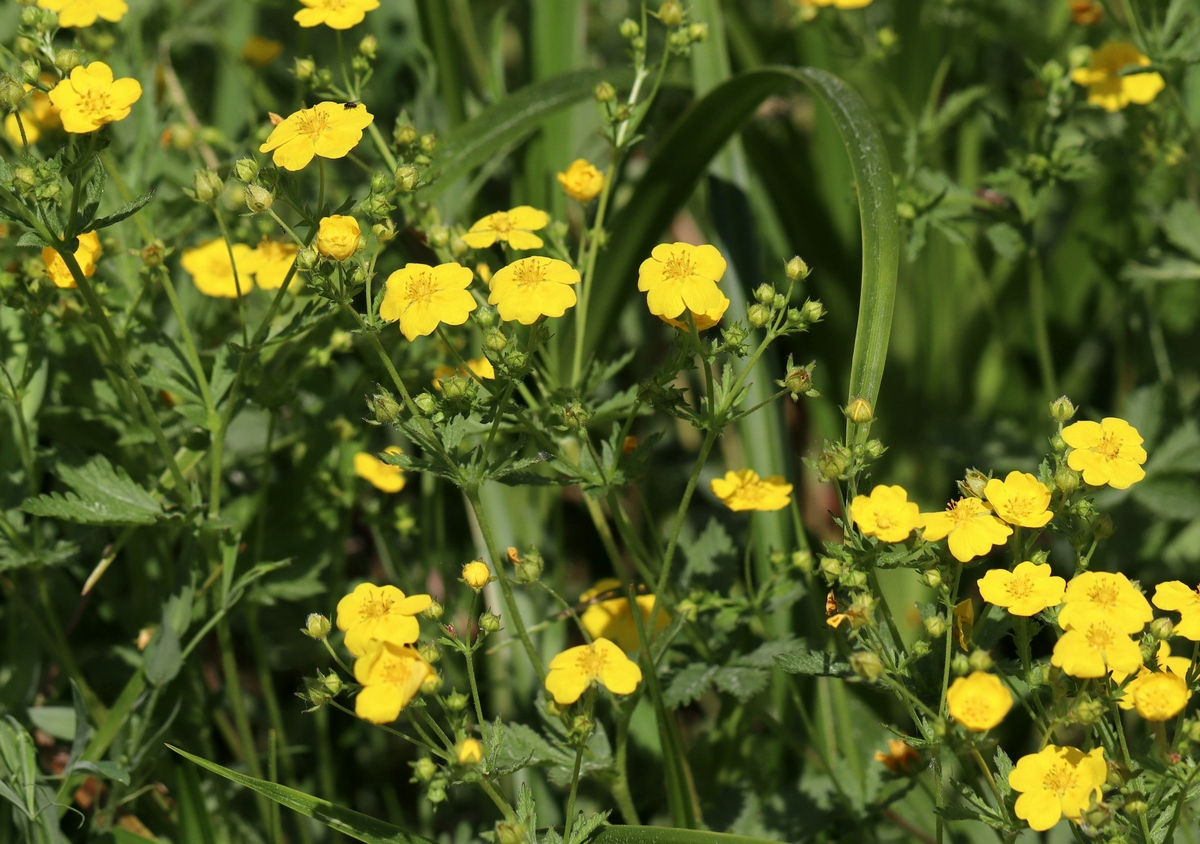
pixel 571 798
pixel 233 691
pixel 1142 823
pixel 1037 308
pixel 237 279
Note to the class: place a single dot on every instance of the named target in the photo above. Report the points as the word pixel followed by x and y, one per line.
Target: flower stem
pixel 571 798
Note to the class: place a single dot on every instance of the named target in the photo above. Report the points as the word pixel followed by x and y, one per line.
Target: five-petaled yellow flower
pixel 574 670
pixel 1020 499
pixel 335 14
pixel 1107 452
pixel 978 701
pixel 745 490
pixel 971 526
pixel 275 259
pixel 1111 90
pixel 1094 647
pixel 1057 782
pixel 476 574
pixel 81 13
pixel 90 98
pixel 391 676
pixel 515 227
pixel 530 288
pixel 1160 695
pixel 329 130
pixel 338 236
pixel 212 271
pixel 1100 594
pixel 37 115
pixel 379 612
pixel 1174 596
pixel 581 181
pixel 422 297
pixel 886 513
pixel 612 619
pixel 85 255
pixel 1026 590
pixel 679 277
pixel 382 476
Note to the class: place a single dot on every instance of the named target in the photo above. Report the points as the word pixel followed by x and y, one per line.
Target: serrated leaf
pixel 688 684
pixel 1004 767
pixel 801 660
pixel 103 495
pixel 704 553
pixel 743 682
pixel 586 825
pixel 31 239
pixel 126 210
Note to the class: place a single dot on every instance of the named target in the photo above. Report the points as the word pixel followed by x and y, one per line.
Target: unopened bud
pixel 406 134
pixel 670 13
pixel 831 567
pixel 510 832
pixel 813 311
pixel 799 380
pixel 424 769
pixel 333 684
pixel 960 665
pixel 11 92
pixel 629 28
pixel 434 611
pixel 796 269
pixel 874 449
pixel 495 341
pixel 428 143
pixel 245 169
pixel 764 293
pixel 368 46
pixel 758 316
pixel 604 93
pixel 258 199
pixel 317 626
pixel 530 567
pixel 153 254
pixel 429 652
pixel 1162 628
pixel 489 622
pixel 304 69
pixel 384 230
pixel 1067 479
pixel 436 793
pixel 1136 807
pixel 866 665
pixel 981 661
pixel 426 403
pixel 933 578
pixel 1103 526
pixel 698 32
pixel 935 626
pixel 207 185
pixel 457 701
pixel 973 484
pixel 385 408
pixel 1062 409
pixel 31 70
pixel 66 60
pixel 407 178
pixel 439 236
pixel 307 258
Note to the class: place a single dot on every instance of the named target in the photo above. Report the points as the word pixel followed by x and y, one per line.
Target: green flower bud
pixel 960 665
pixel 510 832
pixel 245 169
pixel 405 133
pixel 31 71
pixel 629 28
pixel 428 143
pixel 1067 480
pixel 317 626
pixel 764 293
pixel 384 230
pixel 439 236
pixel 933 578
pixel 457 701
pixel 1062 409
pixel 207 185
pixel 866 665
pixel 12 92
pixel 604 93
pixel 489 622
pixel 670 13
pixel 698 32
pixel 368 46
pixel 1162 628
pixel 334 684
pixel 434 611
pixel 831 568
pixel 304 69
pixel 426 403
pixel 874 449
pixel 832 462
pixel 436 793
pixel 973 484
pixel 66 60
pixel 258 199
pixel 153 254
pixel 484 316
pixel 1103 526
pixel 935 626
pixel 429 652
pixel 424 769
pixel 813 311
pixel 920 648
pixel 307 258
pixel 758 316
pixel 796 269
pixel 859 411
pixel 407 178
pixel 981 661
pixel 803 560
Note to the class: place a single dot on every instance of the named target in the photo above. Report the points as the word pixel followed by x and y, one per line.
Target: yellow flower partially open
pixel 530 288
pixel 476 574
pixel 1174 596
pixel 574 670
pixel 338 236
pixel 1109 89
pixel 1020 499
pixel 335 14
pixel 90 98
pixel 379 612
pixel 422 297
pixel 970 526
pixel 612 618
pixel 81 13
pixel 745 490
pixel 886 513
pixel 1025 591
pixel 978 701
pixel 391 676
pixel 515 227
pixel 85 255
pixel 1057 782
pixel 382 476
pixel 1107 596
pixel 581 181
pixel 1106 452
pixel 212 271
pixel 468 752
pixel 329 130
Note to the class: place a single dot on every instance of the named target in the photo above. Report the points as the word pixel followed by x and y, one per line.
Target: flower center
pixel 1059 778
pixel 96 101
pixel 1109 447
pixel 393 670
pixel 884 521
pixel 1106 594
pixel 964 510
pixel 530 273
pixel 1021 505
pixel 1020 586
pixel 376 607
pixel 500 223
pixel 421 288
pixel 1100 636
pixel 678 268
pixel 591 662
pixel 311 122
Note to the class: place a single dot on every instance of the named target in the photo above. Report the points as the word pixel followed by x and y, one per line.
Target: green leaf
pixel 58 721
pixel 704 553
pixel 1174 498
pixel 164 655
pixel 741 681
pixel 107 770
pixel 126 210
pixel 348 822
pixel 689 684
pixel 1182 226
pixel 103 495
pixel 801 660
pixel 1004 767
pixel 667 835
pixel 31 239
pixel 584 826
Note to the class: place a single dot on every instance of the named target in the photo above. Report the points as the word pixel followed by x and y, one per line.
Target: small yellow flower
pixel 886 513
pixel 379 612
pixel 469 752
pixel 422 297
pixel 90 98
pixel 978 701
pixel 85 255
pixel 338 236
pixel 574 670
pixel 212 271
pixel 1099 594
pixel 530 288
pixel 1160 695
pixel 1106 86
pixel 275 259
pixel 679 277
pixel 1020 499
pixel 581 181
pixel 1095 647
pixel 260 51
pixel 81 13
pixel 329 130
pixel 744 490
pixel 1174 596
pixel 335 14
pixel 1057 782
pixel 1026 590
pixel 391 675
pixel 38 115
pixel 382 476
pixel 515 227
pixel 839 4
pixel 972 529
pixel 476 574
pixel 612 619
pixel 1107 452
pixel 899 757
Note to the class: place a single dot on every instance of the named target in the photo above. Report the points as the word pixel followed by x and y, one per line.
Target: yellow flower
pixel 1026 590
pixel 1160 695
pixel 612 619
pixel 329 130
pixel 529 288
pixel 886 513
pixel 379 612
pixel 38 115
pixel 476 574
pixel 1095 647
pixel 335 14
pixel 1057 782
pixel 90 98
pixel 1107 452
pixel 972 529
pixel 839 4
pixel 899 756
pixel 978 701
pixel 260 51
pixel 574 670
pixel 275 258
pixel 678 277
pixel 582 181
pixel 744 490
pixel 391 675
pixel 1106 86
pixel 1099 594
pixel 515 227
pixel 383 476
pixel 469 752
pixel 703 321
pixel 1020 499
pixel 1180 665
pixel 422 297
pixel 85 255
pixel 1174 596
pixel 81 13
pixel 212 271
pixel 338 236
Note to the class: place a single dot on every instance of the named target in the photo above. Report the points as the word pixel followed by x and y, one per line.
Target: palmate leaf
pixel 103 495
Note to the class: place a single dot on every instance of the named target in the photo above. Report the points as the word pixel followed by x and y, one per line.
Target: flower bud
pixel 832 462
pixel 455 387
pixel 304 69
pixel 426 403
pixel 457 701
pixel 66 60
pixel 813 311
pixel 831 567
pixel 333 684
pixel 960 665
pixel 428 143
pixel 424 769
pixel 1136 807
pixel 405 133
pixel 1103 526
pixel 798 380
pixel 510 832
pixel 764 293
pixel 245 169
pixel 778 301
pixel 258 199
pixel 935 626
pixel 385 408
pixel 866 665
pixel 207 185
pixel 430 652
pixel 434 611
pixel 489 622
pixel 495 341
pixel 439 236
pixel 758 316
pixel 1067 479
pixel 933 578
pixel 802 560
pixel 920 648
pixel 368 46
pixel 516 360
pixel 874 449
pixel 380 183
pixel 31 71
pixel 384 230
pixel 317 626
pixel 698 32
pixel 604 93
pixel 859 411
pixel 853 579
pixel 407 178
pixel 973 484
pixel 1061 409
pixel 469 752
pixel 1162 628
pixel 11 92
pixel 153 254
pixel 981 661
pixel 476 574
pixel 306 258
pixel 670 13
pixel 629 28
pixel 436 793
